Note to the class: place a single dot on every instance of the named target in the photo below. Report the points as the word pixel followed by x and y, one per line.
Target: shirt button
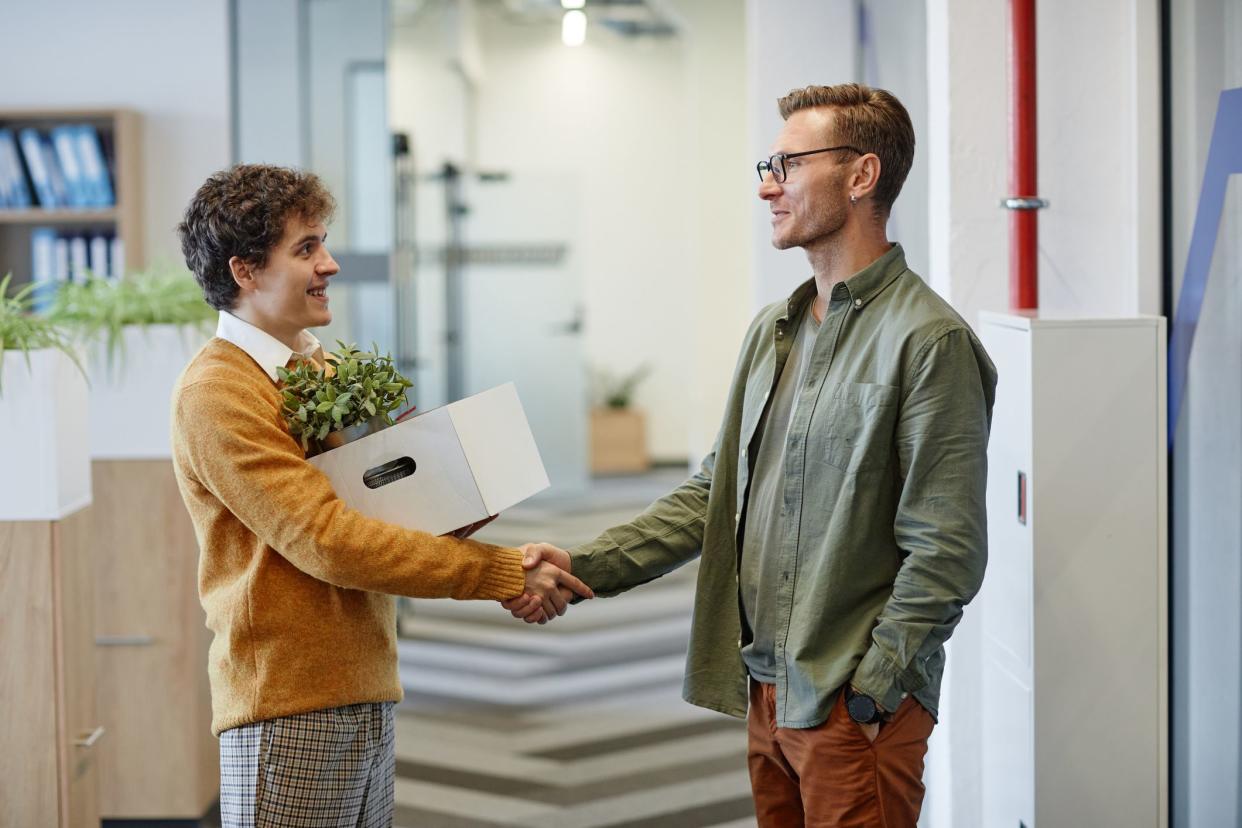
pixel 858 303
pixel 737 518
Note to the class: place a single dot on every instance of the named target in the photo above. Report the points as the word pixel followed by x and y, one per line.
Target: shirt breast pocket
pixel 853 429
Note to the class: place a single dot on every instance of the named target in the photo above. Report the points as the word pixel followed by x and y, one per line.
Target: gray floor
pixel 576 723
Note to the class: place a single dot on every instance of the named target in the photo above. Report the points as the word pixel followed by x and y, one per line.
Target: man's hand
pixel 539 608
pixel 466 531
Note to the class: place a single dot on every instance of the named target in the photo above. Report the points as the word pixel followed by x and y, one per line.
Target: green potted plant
pixel 618 429
pixel 139 333
pixel 43 414
pixel 354 394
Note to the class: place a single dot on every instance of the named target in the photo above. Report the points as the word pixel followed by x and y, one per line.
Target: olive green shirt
pixel 764 529
pixel 885 537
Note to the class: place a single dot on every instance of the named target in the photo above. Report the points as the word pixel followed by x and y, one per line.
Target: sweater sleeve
pixel 241 453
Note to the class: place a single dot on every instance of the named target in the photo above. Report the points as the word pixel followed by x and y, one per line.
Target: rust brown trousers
pixel 832 775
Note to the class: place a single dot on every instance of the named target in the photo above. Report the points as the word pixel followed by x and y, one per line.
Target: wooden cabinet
pixel 160 761
pixel 49 765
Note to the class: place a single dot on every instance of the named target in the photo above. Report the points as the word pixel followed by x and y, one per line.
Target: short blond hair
pixel 873 120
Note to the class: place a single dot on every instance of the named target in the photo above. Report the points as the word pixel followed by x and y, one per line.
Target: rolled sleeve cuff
pixel 884 681
pixel 593 563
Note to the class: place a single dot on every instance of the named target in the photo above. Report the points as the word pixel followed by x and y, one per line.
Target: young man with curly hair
pixel 297 587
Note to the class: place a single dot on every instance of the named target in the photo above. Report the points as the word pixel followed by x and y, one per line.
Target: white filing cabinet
pixel 1075 689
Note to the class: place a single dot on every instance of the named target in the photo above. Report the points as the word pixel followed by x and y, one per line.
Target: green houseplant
pixel 353 395
pixel 101 309
pixel 43 414
pixel 138 333
pixel 24 331
pixel 617 391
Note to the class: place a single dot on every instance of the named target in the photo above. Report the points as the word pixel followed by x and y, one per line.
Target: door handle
pixel 573 326
pixel 88 740
pixel 124 640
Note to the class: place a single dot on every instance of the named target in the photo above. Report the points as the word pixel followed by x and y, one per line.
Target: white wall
pixel 167 59
pixel 896 59
pixel 613 114
pixel 719 170
pixel 659 189
pixel 790 44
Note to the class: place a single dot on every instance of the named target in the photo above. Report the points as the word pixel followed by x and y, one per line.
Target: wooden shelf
pixel 39 215
pixel 120 128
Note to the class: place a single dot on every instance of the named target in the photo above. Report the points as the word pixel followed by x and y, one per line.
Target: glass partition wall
pixel 471 277
pixel 1204 60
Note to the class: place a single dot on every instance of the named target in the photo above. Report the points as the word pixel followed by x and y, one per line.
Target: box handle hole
pixel 390 472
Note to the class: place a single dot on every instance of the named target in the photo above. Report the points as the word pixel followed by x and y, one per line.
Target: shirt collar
pixel 858 289
pixel 266 350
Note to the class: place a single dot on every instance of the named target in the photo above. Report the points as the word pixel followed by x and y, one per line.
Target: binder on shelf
pixel 99 256
pixel 116 258
pixel 94 167
pixel 36 163
pixel 12 176
pixel 54 172
pixel 43 266
pixel 64 140
pixel 79 259
pixel 60 254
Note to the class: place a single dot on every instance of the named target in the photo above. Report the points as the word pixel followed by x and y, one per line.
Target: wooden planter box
pixel 618 441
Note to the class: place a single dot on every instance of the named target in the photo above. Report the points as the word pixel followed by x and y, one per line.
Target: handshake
pixel 549 586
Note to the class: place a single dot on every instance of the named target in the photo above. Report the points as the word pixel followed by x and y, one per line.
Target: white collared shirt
pixel 266 350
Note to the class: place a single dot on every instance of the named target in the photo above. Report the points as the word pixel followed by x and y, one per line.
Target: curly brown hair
pixel 242 211
pixel 872 120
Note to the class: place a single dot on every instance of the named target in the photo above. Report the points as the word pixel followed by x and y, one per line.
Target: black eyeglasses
pixel 776 163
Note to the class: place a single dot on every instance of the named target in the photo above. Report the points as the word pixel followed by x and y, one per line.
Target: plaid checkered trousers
pixel 324 769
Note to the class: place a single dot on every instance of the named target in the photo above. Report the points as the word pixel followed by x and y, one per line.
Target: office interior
pixel 563 196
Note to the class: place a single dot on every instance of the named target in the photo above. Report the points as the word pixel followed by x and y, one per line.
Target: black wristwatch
pixel 862 708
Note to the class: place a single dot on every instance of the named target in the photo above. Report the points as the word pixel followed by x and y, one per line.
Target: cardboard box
pixel 443 469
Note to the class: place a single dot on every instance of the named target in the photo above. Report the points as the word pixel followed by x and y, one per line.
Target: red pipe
pixel 1023 221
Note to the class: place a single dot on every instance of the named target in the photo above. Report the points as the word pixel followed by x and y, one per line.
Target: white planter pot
pixel 45 467
pixel 131 398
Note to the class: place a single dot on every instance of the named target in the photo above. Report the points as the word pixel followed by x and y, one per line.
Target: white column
pixel 968 249
pixel 1099 156
pixel 714 158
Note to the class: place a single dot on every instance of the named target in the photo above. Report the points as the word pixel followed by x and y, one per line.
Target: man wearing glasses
pixel 841 514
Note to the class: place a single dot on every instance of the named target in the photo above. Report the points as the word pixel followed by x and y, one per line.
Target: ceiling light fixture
pixel 572 4
pixel 573 28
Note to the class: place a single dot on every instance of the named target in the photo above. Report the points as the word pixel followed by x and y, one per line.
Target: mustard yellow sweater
pixel 296 585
